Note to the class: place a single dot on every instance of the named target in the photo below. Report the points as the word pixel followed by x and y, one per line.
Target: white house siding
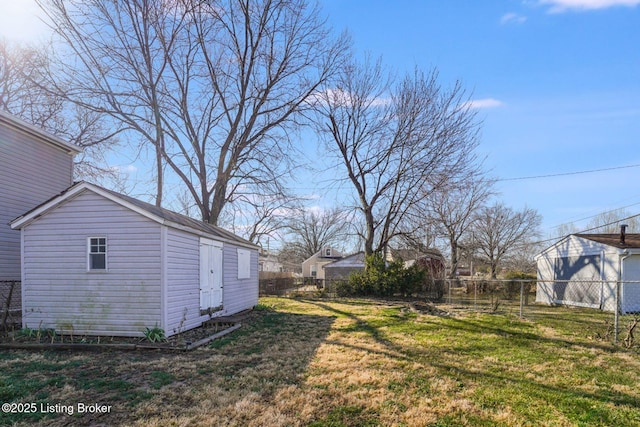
pixel 590 285
pixel 183 281
pixel 238 294
pixel 58 292
pixel 631 285
pixel 31 171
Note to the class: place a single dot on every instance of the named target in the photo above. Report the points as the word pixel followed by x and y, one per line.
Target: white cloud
pixel 125 169
pixel 512 18
pixel 484 103
pixel 559 6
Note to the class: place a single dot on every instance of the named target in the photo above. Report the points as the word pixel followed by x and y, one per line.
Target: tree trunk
pixel 454 258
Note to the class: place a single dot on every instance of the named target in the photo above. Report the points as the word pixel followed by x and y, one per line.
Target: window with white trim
pixel 97 248
pixel 244 264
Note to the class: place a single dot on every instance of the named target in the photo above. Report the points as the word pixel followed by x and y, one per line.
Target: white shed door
pixel 210 274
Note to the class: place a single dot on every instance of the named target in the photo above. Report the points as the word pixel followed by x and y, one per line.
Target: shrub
pixel 512 288
pixel 382 279
pixel 519 275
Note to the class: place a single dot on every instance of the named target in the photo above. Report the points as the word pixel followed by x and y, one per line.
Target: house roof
pixel 155 213
pixel 39 134
pixel 351 261
pixel 632 240
pixel 335 254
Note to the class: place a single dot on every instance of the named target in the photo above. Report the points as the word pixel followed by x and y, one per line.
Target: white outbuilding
pixel 586 269
pixel 97 262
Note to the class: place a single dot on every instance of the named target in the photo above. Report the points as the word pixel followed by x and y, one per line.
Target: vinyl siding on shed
pixel 58 291
pixel 630 288
pixel 183 281
pixel 239 294
pixel 583 283
pixel 31 172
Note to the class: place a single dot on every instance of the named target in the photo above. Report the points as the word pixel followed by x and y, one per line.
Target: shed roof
pixel 155 213
pixel 39 134
pixel 631 240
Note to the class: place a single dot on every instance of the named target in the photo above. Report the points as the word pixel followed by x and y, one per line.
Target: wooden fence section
pixel 287 285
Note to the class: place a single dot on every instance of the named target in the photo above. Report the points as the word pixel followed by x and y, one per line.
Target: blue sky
pixel 556 82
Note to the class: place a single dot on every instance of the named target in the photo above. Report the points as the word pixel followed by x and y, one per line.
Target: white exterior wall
pixel 238 294
pixel 600 289
pixel 31 172
pixel 183 282
pixel 630 290
pixel 59 292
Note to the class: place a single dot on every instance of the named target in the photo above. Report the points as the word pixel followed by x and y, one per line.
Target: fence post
pixel 475 295
pixel 521 297
pixel 616 317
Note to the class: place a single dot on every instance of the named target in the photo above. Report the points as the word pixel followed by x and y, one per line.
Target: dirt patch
pixel 426 308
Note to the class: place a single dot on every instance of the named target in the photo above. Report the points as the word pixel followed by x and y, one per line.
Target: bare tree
pixel 259 218
pixel 499 229
pixel 396 141
pixel 24 94
pixel 604 222
pixel 609 222
pixel 312 230
pixel 453 207
pixel 214 87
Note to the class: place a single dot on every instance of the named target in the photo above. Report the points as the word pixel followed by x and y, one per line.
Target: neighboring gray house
pixel 583 270
pixel 312 266
pixel 342 268
pixel 97 262
pixel 34 166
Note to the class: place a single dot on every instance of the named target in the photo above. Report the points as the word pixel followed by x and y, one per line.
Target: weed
pixel 155 334
pixel 161 378
pixel 37 334
pixel 262 307
pixel 630 340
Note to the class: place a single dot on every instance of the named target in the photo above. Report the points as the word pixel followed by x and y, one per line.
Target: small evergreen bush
pixel 382 280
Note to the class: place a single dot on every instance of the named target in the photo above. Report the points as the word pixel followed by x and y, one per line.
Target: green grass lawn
pixel 302 362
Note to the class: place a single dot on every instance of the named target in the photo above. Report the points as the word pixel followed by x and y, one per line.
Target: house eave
pixel 34 132
pixel 610 249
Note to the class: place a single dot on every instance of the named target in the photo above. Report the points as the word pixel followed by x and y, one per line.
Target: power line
pixel 587 230
pixel 567 173
pixel 595 215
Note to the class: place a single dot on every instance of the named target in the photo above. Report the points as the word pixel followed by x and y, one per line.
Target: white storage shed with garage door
pixel 586 269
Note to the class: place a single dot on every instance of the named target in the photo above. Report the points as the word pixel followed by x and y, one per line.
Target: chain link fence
pixel 606 309
pixel 10 304
pixel 589 304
